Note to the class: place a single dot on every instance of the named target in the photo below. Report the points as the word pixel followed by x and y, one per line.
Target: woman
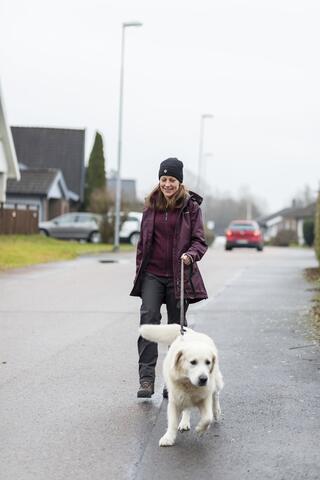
pixel 171 230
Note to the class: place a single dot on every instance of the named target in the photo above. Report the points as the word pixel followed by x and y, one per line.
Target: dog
pixel 192 376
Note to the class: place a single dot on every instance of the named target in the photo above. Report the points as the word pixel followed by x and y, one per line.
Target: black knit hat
pixel 173 168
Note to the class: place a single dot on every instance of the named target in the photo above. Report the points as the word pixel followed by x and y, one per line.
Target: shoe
pixel 146 390
pixel 165 392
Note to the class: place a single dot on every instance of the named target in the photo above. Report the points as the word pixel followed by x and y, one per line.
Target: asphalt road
pixel 68 374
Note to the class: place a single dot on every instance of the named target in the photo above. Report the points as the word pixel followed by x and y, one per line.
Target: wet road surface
pixel 69 377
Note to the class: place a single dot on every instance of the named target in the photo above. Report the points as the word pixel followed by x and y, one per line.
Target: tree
pixel 224 208
pixel 304 197
pixel 95 174
pixel 308 231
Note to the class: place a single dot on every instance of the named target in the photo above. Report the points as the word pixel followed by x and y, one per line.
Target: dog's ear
pixel 178 358
pixel 213 361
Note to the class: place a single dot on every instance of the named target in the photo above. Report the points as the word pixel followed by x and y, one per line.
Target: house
pixel 128 189
pixel 8 160
pixel 42 188
pixel 291 218
pixel 60 149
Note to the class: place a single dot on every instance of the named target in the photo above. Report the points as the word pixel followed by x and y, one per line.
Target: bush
pixel 107 230
pixel 284 238
pixel 209 236
pixel 308 231
pixel 107 226
pixel 317 230
pixel 99 201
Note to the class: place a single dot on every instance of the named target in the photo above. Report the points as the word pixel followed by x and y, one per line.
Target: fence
pixel 18 219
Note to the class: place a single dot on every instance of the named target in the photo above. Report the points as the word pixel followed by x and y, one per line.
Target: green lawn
pixel 23 250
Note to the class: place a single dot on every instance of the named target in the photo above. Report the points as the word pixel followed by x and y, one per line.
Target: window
pixel 68 218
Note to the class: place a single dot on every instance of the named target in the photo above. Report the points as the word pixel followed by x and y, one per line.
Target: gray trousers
pixel 155 292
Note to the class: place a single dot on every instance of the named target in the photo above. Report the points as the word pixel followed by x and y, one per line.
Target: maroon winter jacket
pixel 188 238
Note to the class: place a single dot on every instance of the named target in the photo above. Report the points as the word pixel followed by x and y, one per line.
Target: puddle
pixel 108 260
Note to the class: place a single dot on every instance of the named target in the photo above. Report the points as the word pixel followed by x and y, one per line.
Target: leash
pixel 182 329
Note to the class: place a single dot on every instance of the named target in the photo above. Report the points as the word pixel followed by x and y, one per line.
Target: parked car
pixel 130 228
pixel 75 226
pixel 244 233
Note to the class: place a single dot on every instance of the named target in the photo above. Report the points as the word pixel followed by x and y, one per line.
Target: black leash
pixel 182 329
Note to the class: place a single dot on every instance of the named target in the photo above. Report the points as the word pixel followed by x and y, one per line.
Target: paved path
pixel 68 384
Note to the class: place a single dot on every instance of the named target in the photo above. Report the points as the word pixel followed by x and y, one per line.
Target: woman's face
pixel 169 186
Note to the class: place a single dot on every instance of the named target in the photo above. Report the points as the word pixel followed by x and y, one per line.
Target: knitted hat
pixel 172 167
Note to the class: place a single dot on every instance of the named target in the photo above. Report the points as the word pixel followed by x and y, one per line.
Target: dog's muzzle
pixel 202 380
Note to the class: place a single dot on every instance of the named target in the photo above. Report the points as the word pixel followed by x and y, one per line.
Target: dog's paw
pixel 202 427
pixel 166 441
pixel 184 426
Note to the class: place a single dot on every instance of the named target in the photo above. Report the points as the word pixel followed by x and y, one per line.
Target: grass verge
pixel 18 251
pixel 313 276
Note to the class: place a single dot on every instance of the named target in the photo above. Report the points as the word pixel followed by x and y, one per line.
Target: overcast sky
pixel 253 64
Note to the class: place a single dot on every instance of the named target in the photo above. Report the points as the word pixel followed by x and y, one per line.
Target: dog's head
pixel 196 363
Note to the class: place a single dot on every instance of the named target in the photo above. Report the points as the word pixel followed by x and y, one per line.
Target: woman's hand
pixel 186 259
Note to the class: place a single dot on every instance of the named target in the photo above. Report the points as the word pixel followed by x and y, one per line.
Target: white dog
pixel 192 376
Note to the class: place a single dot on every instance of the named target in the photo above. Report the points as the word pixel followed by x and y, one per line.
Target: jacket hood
pixel 195 197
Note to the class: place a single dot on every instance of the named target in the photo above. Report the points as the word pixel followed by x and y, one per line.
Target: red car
pixel 244 233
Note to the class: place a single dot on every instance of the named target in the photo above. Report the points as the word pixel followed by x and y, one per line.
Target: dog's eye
pixel 208 362
pixel 193 362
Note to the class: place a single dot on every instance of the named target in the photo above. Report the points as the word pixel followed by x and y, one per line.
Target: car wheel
pixel 134 238
pixel 259 249
pixel 44 233
pixel 228 248
pixel 95 237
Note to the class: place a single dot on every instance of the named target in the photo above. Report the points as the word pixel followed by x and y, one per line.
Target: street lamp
pixel 204 116
pixel 118 182
pixel 205 159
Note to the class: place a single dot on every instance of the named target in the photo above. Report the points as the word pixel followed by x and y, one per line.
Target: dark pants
pixel 155 292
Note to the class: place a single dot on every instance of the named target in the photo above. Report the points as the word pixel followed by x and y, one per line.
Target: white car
pixel 130 229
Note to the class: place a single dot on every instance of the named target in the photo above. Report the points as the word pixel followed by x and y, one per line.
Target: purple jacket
pixel 188 238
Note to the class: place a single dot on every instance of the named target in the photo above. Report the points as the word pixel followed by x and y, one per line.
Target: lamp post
pixel 204 116
pixel 205 159
pixel 118 182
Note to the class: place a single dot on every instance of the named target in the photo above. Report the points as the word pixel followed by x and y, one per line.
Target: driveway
pixel 69 376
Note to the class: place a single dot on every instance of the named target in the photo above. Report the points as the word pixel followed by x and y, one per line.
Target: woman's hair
pixel 158 201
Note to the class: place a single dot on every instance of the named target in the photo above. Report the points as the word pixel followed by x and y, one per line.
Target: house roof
pixel 291 212
pixel 303 212
pixel 54 148
pixel 278 213
pixel 33 182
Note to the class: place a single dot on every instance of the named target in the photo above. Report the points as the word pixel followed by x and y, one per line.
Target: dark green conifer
pixel 95 174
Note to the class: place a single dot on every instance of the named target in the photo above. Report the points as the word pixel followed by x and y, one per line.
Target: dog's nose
pixel 203 380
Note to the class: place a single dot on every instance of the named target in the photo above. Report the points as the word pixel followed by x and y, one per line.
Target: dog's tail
pixel 160 333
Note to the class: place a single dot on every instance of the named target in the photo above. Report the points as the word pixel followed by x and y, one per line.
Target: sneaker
pixel 146 390
pixel 165 392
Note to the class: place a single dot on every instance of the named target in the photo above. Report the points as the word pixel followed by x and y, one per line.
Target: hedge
pixel 317 229
pixel 308 231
